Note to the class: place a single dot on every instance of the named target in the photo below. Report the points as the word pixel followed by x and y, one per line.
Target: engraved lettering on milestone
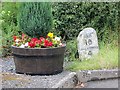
pixel 85 41
pixel 88 35
pixel 90 53
pixel 89 41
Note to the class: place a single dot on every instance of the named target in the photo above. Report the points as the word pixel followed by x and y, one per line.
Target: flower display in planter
pixel 27 42
pixel 37 51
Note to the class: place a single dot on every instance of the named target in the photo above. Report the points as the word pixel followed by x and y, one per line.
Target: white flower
pixel 60 44
pixel 17 43
pixel 26 44
pixel 17 40
pixel 22 46
pixel 57 38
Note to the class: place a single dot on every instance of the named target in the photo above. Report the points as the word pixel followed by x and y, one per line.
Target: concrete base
pixel 65 79
pixel 91 75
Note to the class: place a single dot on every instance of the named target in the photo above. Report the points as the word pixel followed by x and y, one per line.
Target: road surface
pixel 110 83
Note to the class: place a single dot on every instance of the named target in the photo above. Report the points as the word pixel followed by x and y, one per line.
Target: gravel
pixel 10 79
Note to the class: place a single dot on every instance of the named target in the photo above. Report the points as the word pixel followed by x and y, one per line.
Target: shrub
pixel 9 26
pixel 35 18
pixel 71 17
pixel 71 50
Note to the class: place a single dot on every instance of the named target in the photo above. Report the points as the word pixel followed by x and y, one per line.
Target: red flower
pixel 47 43
pixel 42 39
pixel 34 39
pixel 31 44
pixel 47 37
pixel 50 44
pixel 38 42
pixel 14 37
pixel 23 36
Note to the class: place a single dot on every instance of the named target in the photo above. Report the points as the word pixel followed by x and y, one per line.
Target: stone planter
pixel 44 61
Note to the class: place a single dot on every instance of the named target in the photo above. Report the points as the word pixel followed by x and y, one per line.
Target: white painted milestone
pixel 87 43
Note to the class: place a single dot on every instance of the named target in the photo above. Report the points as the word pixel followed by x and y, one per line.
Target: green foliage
pixel 107 58
pixel 35 18
pixel 71 50
pixel 9 26
pixel 71 17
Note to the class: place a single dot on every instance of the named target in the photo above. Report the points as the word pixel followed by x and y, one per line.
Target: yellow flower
pixel 50 35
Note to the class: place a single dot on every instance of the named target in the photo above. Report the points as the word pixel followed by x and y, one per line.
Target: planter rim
pixel 64 45
pixel 38 51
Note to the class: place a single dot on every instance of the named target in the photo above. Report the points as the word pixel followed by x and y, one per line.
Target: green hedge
pixel 71 17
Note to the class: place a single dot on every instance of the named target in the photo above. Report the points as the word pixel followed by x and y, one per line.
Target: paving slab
pixel 92 75
pixel 110 83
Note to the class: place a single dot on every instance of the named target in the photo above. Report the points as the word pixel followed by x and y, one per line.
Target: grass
pixel 107 58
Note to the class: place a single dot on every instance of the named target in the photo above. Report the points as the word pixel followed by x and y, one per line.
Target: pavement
pixel 110 83
pixel 10 80
pixel 98 78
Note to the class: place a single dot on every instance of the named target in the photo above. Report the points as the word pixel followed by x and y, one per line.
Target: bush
pixel 9 26
pixel 71 17
pixel 35 19
pixel 71 50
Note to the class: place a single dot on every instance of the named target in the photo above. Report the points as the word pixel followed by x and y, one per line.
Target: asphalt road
pixel 110 83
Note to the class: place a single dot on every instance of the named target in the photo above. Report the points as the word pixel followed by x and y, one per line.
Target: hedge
pixel 71 17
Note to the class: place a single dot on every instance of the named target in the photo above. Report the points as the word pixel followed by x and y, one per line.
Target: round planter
pixel 44 61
